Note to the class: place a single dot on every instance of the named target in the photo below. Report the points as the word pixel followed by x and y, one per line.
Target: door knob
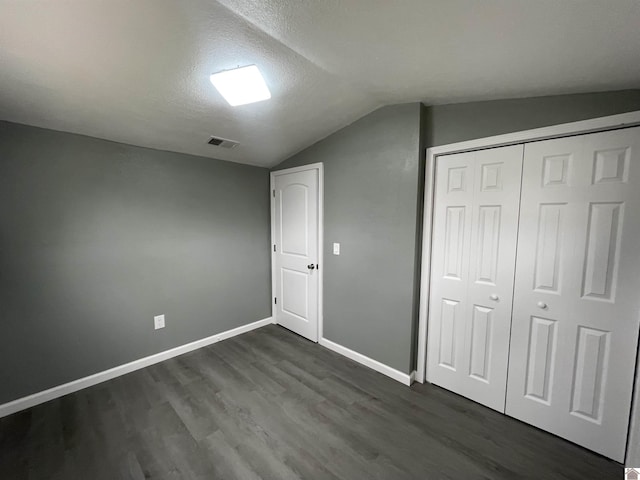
pixel 494 297
pixel 542 305
pixel 311 267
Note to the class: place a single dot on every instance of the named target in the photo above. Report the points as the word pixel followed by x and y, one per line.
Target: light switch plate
pixel 158 321
pixel 336 249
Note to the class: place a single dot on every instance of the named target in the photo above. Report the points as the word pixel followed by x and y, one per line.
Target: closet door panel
pixel 491 273
pixel 576 303
pixel 473 258
pixel 450 271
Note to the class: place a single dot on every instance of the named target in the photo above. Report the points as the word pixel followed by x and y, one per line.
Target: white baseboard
pixel 397 375
pixel 61 390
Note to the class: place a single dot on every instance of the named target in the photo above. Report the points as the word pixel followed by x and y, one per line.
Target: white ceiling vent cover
pixel 223 142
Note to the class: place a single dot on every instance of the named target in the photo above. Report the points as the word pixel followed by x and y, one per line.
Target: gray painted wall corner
pixel 422 152
pixel 97 237
pixel 360 158
pixel 371 190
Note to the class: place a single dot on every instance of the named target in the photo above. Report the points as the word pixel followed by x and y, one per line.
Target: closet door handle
pixel 542 305
pixel 494 297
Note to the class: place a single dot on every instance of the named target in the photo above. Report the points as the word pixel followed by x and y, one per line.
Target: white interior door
pixel 475 228
pixel 296 256
pixel 577 293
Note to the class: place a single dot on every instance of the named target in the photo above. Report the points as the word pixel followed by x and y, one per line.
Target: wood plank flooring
pixel 271 405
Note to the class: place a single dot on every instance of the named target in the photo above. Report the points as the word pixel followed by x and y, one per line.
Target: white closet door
pixel 473 257
pixel 577 294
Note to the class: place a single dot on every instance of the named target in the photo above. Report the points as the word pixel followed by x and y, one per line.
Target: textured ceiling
pixel 138 71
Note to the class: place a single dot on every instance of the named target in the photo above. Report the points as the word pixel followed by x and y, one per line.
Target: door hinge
pixel 275 300
pixel 274 194
pixel 274 248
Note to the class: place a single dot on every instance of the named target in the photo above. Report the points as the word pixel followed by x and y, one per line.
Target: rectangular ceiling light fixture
pixel 241 85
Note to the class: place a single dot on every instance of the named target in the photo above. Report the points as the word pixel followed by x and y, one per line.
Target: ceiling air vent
pixel 223 142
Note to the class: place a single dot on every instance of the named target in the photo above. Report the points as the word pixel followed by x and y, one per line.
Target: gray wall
pixel 98 237
pixel 371 170
pixel 466 121
pixel 373 201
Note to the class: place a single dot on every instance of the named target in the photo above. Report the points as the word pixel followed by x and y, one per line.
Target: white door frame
pixel 600 124
pixel 320 271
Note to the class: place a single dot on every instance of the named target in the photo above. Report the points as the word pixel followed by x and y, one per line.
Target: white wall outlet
pixel 158 321
pixel 336 249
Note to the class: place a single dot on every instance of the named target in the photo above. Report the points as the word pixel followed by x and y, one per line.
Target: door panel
pixel 475 231
pixel 551 217
pixel 296 242
pixel 540 357
pixel 448 301
pixel 294 221
pixel 576 303
pixel 454 244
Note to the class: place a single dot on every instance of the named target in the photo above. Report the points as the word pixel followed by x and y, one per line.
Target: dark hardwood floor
pixel 269 404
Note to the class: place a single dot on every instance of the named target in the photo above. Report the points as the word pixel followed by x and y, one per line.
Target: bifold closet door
pixel 475 227
pixel 577 293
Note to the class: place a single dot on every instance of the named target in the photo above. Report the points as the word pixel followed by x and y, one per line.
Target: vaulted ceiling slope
pixel 138 71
